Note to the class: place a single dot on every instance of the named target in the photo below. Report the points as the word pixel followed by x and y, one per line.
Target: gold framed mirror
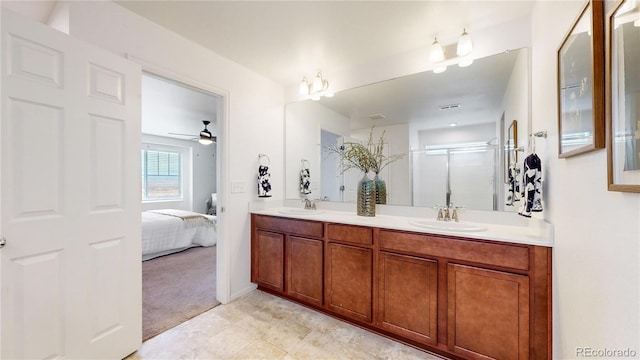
pixel 581 125
pixel 623 96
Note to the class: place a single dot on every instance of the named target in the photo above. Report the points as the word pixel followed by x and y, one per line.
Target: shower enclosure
pixel 464 174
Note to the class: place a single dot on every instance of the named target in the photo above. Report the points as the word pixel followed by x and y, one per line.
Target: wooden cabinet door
pixel 488 313
pixel 408 295
pixel 269 260
pixel 349 278
pixel 304 269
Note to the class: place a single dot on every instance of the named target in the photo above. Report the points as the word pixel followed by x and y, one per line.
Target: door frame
pixel 223 262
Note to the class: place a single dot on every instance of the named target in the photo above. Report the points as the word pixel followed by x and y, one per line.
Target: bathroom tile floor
pixel 262 326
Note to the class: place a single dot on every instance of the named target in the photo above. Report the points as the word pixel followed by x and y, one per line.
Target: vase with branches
pixel 366 158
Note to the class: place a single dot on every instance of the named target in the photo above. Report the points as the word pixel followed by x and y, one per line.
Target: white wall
pixel 255 110
pixel 596 259
pixel 202 175
pixel 304 120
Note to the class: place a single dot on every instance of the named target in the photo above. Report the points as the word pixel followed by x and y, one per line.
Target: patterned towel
pixel 305 181
pixel 531 186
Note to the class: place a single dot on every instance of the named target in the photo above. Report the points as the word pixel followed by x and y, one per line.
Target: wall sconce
pixel 436 56
pixel 316 89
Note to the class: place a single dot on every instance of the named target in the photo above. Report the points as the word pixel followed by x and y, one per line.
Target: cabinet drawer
pixel 351 234
pixel 510 256
pixel 290 226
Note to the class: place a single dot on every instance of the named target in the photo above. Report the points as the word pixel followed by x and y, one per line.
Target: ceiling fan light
pixel 465 46
pixel 304 87
pixel 436 54
pixel 318 83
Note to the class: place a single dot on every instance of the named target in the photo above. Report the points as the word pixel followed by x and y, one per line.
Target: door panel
pixel 350 281
pixel 270 260
pixel 304 269
pixel 488 313
pixel 70 190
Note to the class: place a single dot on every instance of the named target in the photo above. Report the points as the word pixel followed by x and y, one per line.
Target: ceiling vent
pixel 449 107
pixel 377 117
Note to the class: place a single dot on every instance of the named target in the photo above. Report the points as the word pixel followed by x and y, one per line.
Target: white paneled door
pixel 70 197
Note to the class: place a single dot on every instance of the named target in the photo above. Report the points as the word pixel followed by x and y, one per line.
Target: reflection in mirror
pixel 450 126
pixel 624 101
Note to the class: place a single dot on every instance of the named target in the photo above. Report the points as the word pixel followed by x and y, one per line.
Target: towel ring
pixel 304 162
pixel 261 158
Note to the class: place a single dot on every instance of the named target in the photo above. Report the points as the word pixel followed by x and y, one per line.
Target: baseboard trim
pixel 243 292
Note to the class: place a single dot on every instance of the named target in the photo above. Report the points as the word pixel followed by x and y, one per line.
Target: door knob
pixel 3 241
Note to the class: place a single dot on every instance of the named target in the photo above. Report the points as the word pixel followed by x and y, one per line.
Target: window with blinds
pixel 161 175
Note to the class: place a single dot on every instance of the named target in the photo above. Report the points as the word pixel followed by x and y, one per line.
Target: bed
pixel 168 231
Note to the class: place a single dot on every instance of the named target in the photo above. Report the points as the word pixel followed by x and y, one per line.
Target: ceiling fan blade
pixel 179 134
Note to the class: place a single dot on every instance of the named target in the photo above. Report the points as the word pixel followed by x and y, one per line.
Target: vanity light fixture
pixel 316 89
pixel 465 46
pixel 437 55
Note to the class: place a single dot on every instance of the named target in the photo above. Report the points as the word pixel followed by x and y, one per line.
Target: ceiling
pixel 286 40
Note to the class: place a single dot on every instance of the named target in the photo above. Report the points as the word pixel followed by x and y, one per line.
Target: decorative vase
pixel 381 190
pixel 366 196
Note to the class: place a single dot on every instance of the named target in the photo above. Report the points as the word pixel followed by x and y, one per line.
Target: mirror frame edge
pixel 611 185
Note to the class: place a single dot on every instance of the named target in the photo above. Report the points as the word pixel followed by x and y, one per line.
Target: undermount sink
pixel 297 211
pixel 448 225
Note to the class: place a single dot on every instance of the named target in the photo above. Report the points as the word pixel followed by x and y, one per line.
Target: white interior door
pixel 70 271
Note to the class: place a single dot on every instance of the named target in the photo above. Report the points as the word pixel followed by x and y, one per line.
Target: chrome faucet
pixel 447 213
pixel 309 204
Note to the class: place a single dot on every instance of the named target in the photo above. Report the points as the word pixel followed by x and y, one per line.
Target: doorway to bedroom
pixel 179 171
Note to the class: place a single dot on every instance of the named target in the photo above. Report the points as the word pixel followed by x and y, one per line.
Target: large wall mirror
pixel 452 127
pixel 623 96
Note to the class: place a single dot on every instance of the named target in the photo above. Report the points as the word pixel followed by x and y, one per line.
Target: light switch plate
pixel 237 187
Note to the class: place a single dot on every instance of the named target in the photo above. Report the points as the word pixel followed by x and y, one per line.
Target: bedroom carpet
pixel 176 288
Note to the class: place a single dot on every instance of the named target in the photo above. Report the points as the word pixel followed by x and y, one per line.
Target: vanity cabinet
pixel 349 271
pixel 408 297
pixel 458 297
pixel 269 260
pixel 304 269
pixel 488 313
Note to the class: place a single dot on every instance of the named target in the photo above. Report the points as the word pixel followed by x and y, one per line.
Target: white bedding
pixel 164 234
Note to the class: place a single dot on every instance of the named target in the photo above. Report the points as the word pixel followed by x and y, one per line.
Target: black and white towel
pixel 264 186
pixel 305 181
pixel 531 186
pixel 514 184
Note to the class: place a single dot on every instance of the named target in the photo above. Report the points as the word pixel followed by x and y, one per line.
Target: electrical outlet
pixel 237 187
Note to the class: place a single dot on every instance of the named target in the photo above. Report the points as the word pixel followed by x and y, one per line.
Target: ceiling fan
pixel 205 137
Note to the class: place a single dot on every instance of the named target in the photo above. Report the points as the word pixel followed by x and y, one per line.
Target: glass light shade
pixel 636 23
pixel 329 94
pixel 205 141
pixel 437 54
pixel 315 97
pixel 439 69
pixel 465 62
pixel 304 87
pixel 464 44
pixel 318 84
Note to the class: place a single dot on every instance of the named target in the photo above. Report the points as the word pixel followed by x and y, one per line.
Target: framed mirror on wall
pixel 581 126
pixel 623 96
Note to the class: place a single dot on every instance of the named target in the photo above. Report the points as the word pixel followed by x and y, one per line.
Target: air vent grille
pixel 449 107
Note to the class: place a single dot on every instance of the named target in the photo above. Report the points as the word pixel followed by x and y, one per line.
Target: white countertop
pixel 531 233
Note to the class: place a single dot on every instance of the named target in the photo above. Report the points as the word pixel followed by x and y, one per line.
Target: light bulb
pixel 315 97
pixel 464 44
pixel 318 83
pixel 304 87
pixel 439 69
pixel 636 23
pixel 437 54
pixel 329 94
